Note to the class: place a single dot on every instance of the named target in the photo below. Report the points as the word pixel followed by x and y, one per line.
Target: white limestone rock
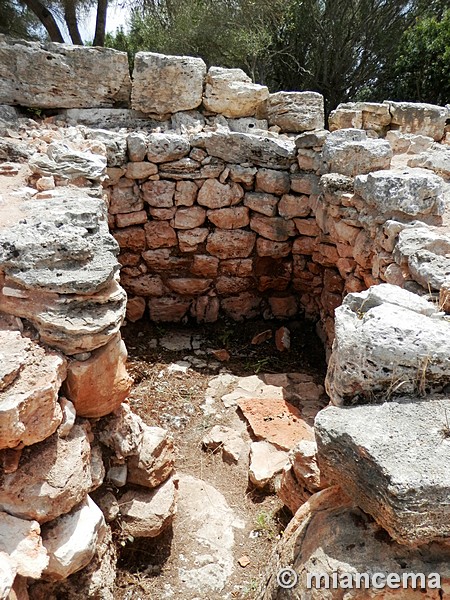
pixel 122 432
pixel 296 111
pixel 64 162
pixel 115 144
pixel 232 93
pixel 416 117
pixel 155 458
pixel 387 341
pixel 266 462
pixel 8 571
pixel 166 147
pixel 436 158
pixel 227 440
pixel 166 84
pixel 63 75
pixel 350 152
pixel 72 539
pixel 369 116
pixel 22 540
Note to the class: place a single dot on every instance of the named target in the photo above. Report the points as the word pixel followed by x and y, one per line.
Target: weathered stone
pixel 186 193
pixel 266 204
pixel 283 339
pixel 350 152
pixel 159 193
pixel 64 76
pixel 266 462
pixel 130 219
pixel 312 139
pixel 137 146
pixel 140 170
pixel 144 285
pixel 387 341
pixel 159 234
pixel 111 144
pixel 390 459
pixel 227 440
pixel 274 249
pixel 146 513
pixel 240 174
pixel 424 251
pixel 237 267
pixel 273 228
pixel 154 460
pixel 414 193
pixel 232 285
pixel 189 218
pixel 285 430
pixel 30 378
pixel 163 214
pixel 190 239
pixel 242 306
pixel 361 115
pixel 65 163
pixel 98 385
pixel 231 93
pixel 122 432
pixel 307 227
pixel 229 218
pixel 414 117
pixel 214 194
pixel 436 159
pixel 230 243
pixel 291 206
pixel 283 307
pixel 166 147
pixel 204 265
pixel 166 84
pixel 69 415
pixel 8 571
pixel 51 479
pixel 72 539
pixel 305 183
pixel 168 309
pixel 187 286
pixel 125 200
pixel 135 309
pixel 296 111
pixel 233 147
pixel 22 541
pixel 272 181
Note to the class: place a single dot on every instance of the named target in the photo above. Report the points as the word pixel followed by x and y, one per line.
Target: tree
pixel 18 21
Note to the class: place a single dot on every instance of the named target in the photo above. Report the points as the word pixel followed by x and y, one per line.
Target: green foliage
pixel 17 21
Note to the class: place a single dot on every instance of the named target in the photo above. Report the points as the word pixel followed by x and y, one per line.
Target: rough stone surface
pixel 122 432
pixel 388 341
pixel 166 147
pixel 226 439
pixel 231 93
pixel 436 158
pixel 296 111
pixel 166 84
pixel 63 76
pixel 350 152
pixel 266 462
pixel 71 540
pixel 146 513
pixel 412 117
pixel 22 541
pixel 154 460
pixel 8 571
pixel 65 163
pixel 30 378
pixel 231 243
pixel 390 459
pixel 98 385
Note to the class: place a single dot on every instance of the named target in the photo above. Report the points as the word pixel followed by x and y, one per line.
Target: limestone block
pixel 147 513
pixel 390 459
pixel 226 439
pixel 72 539
pixel 189 286
pixel 190 217
pixel 231 243
pixel 272 181
pixel 266 204
pixel 115 145
pixel 154 460
pixel 166 147
pixel 166 84
pixel 214 194
pixel 63 162
pixel 266 462
pixel 436 158
pixel 30 378
pixel 52 477
pixel 273 228
pixel 122 432
pixel 8 571
pixel 349 152
pixel 231 93
pixel 296 111
pixel 22 541
pixel 98 385
pixel 361 115
pixel 415 117
pixel 387 341
pixel 63 75
pixel 168 309
pixel 229 218
pixel 137 146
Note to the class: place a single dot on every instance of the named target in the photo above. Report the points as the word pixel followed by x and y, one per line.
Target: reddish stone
pixel 214 194
pixel 231 243
pixel 238 267
pixel 131 238
pixel 273 182
pixel 205 309
pixel 162 260
pixel 273 228
pixel 307 227
pixel 135 309
pixel 305 183
pixel 304 245
pixel 144 285
pixel 162 214
pixel 345 266
pixel 168 309
pixel 222 355
pixel 332 281
pixel 187 286
pixel 188 240
pixel 186 193
pixel 243 306
pixel 291 206
pixel 134 218
pixel 140 170
pixel 266 282
pixel 159 193
pixel 266 204
pixel 274 249
pixel 262 337
pixel 189 218
pixel 232 285
pixel 283 307
pixel 205 266
pixel 229 218
pixel 330 301
pixel 159 234
pixel 276 421
pixel 125 200
pixel 99 385
pixel 129 259
pixel 283 339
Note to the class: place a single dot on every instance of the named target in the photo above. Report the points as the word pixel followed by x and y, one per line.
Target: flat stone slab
pixel 392 459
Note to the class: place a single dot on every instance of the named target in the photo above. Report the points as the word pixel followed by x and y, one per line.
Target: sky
pixel 116 16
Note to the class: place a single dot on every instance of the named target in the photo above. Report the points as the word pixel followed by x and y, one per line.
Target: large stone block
pixel 296 111
pixel 361 115
pixel 415 117
pixel 391 459
pixel 166 84
pixel 387 341
pixel 350 152
pixel 22 540
pixel 231 93
pixel 63 75
pixel 436 158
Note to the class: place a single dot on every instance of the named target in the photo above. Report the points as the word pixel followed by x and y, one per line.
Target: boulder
pixel 30 378
pixel 231 93
pixel 154 460
pixel 71 540
pixel 166 147
pixel 22 541
pixel 350 152
pixel 390 459
pixel 65 163
pixel 53 476
pixel 147 513
pixel 166 84
pixel 63 75
pixel 387 341
pixel 97 386
pixel 115 145
pixel 370 116
pixel 436 158
pixel 416 117
pixel 296 111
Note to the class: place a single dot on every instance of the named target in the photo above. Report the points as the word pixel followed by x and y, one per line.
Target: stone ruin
pixel 192 193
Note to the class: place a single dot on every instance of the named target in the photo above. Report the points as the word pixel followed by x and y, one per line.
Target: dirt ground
pixel 147 568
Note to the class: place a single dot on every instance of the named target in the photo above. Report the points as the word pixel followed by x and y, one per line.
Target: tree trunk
pixel 100 24
pixel 70 17
pixel 46 18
